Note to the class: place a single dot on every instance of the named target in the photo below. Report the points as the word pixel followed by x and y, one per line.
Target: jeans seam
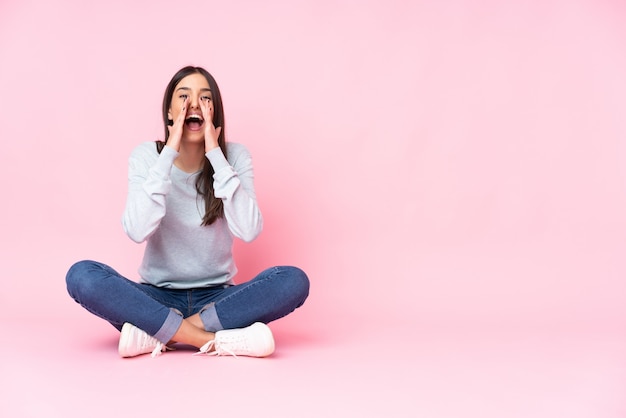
pixel 244 289
pixel 126 282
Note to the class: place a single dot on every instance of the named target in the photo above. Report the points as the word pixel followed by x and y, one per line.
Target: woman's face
pixel 192 89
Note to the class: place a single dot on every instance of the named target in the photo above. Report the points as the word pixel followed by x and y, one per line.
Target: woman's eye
pixel 183 96
pixel 206 98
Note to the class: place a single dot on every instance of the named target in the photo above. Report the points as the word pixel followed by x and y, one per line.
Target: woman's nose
pixel 194 102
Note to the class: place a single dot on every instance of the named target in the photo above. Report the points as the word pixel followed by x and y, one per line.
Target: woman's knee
pixel 79 277
pixel 298 281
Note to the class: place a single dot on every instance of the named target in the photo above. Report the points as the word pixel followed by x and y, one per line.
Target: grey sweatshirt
pixel 164 208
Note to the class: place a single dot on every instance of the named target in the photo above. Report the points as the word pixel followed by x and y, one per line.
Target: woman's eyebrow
pixel 187 88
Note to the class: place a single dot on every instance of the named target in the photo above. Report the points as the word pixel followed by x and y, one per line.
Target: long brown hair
pixel 214 208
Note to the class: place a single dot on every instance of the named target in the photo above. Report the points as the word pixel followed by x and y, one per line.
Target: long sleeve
pixel 164 209
pixel 148 185
pixel 234 184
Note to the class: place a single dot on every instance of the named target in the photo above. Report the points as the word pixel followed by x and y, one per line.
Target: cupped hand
pixel 211 133
pixel 176 130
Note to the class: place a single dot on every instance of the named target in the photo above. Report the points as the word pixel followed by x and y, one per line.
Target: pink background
pixel 452 176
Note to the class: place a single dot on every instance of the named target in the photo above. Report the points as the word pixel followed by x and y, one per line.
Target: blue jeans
pixel 159 311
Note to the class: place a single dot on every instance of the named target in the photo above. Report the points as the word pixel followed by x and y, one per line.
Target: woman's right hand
pixel 176 130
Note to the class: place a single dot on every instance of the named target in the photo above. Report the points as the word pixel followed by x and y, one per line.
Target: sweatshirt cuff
pixel 217 159
pixel 165 161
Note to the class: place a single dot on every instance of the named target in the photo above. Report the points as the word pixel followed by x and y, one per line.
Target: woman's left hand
pixel 211 133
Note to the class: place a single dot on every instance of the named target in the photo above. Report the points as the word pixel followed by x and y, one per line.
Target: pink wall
pixel 439 163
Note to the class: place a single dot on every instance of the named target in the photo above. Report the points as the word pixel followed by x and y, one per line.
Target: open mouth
pixel 194 122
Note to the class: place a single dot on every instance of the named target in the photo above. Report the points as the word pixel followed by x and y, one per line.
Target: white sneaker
pixel 134 342
pixel 253 341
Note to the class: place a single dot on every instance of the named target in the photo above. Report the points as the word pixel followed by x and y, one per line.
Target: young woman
pixel 189 196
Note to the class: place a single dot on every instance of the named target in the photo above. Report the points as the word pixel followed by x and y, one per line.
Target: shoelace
pixel 219 350
pixel 160 348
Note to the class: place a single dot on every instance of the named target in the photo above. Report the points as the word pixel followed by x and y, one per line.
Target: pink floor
pixel 403 370
pixel 450 174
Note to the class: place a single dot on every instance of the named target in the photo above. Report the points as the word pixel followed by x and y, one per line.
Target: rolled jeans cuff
pixel 209 318
pixel 169 327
